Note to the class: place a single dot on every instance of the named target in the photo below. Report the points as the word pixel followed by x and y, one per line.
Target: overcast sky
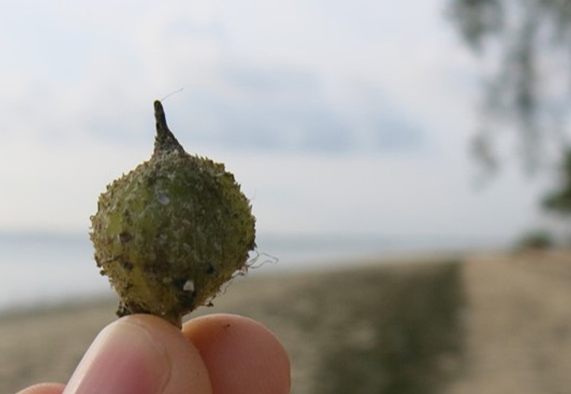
pixel 336 117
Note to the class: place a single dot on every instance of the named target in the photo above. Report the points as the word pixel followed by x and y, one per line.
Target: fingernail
pixel 125 359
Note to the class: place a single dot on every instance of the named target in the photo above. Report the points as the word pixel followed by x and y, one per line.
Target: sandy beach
pixel 488 323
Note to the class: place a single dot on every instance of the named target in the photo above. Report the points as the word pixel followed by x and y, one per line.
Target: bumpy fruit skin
pixel 172 231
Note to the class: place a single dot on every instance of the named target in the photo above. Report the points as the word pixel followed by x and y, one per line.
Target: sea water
pixel 42 269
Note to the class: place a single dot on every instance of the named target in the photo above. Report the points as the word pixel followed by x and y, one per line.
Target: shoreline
pixel 266 271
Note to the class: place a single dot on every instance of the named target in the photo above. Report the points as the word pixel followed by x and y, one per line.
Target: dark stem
pixel 126 310
pixel 165 140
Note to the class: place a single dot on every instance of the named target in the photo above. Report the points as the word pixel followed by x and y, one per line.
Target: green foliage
pixel 521 37
pixel 559 200
pixel 477 19
pixel 389 330
pixel 536 240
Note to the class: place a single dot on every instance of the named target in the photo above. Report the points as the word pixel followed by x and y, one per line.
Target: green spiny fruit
pixel 172 231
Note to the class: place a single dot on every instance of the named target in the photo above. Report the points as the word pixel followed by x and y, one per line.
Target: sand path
pixel 518 331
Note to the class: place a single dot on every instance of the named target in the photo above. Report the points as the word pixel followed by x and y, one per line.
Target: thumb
pixel 140 354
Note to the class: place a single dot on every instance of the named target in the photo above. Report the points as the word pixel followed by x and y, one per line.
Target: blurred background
pixel 412 155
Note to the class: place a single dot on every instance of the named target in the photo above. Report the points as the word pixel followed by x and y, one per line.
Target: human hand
pixel 215 354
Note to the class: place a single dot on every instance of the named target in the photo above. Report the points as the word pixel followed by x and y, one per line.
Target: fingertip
pixel 140 354
pixel 241 355
pixel 187 371
pixel 43 388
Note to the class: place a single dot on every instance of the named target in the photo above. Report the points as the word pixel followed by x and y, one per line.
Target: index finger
pixel 242 356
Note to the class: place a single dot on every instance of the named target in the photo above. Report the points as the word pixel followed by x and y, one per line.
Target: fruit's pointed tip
pixel 165 141
pixel 160 117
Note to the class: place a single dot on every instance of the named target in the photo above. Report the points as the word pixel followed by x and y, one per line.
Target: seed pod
pixel 172 231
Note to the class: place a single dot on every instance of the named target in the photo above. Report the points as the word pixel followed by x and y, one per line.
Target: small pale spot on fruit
pixel 188 285
pixel 163 199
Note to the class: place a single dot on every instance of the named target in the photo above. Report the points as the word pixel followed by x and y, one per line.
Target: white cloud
pixel 389 195
pixel 78 83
